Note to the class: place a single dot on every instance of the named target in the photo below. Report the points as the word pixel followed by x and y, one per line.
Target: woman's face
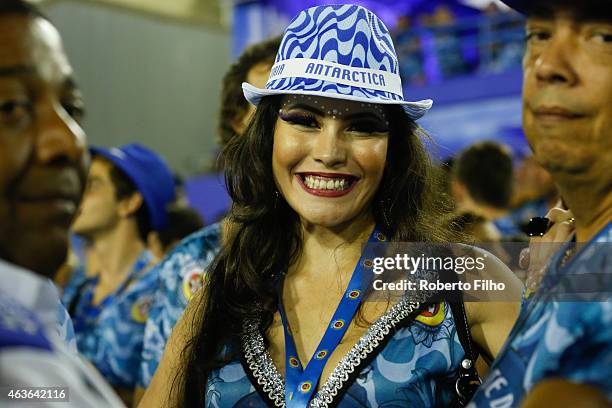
pixel 329 156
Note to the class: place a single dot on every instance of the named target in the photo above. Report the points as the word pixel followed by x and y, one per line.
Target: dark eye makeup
pixel 299 118
pixel 368 126
pixel 359 124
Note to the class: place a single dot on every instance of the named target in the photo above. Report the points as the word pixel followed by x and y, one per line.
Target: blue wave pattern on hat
pixel 345 34
pixel 338 51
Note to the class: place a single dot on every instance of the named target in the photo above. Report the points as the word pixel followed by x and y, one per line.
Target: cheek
pixel 14 153
pixel 372 158
pixel 95 206
pixel 287 152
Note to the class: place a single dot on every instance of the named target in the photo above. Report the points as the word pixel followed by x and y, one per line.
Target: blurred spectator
pixel 534 193
pixel 410 53
pixel 447 42
pixel 501 36
pixel 43 167
pixel 182 271
pixel 128 191
pixel 481 185
pixel 182 221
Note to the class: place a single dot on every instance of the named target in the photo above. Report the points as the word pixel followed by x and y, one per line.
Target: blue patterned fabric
pixel 19 327
pixel 338 51
pixel 556 339
pixel 180 275
pixel 417 367
pixel 74 284
pixel 113 340
pixel 65 329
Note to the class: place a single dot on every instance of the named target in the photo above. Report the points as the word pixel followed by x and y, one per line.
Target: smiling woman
pixel 325 148
pixel 325 167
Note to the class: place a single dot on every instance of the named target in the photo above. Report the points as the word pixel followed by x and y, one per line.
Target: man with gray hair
pixel 560 351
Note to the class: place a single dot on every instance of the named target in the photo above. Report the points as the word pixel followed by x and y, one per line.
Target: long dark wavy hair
pixel 265 236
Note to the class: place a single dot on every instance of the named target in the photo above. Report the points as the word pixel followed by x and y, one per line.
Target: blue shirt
pixel 180 276
pixel 398 362
pixel 111 333
pixel 33 352
pixel 65 329
pixel 74 285
pixel 556 339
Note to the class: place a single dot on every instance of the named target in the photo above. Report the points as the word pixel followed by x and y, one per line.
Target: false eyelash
pixel 299 118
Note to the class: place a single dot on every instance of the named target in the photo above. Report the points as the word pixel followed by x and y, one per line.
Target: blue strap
pixel 300 383
pixel 87 313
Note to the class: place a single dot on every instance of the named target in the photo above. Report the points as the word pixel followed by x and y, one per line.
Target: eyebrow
pixel 70 81
pixel 588 12
pixel 14 70
pixel 319 112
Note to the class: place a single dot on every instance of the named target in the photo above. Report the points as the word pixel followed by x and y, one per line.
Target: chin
pixel 44 253
pixel 328 219
pixel 560 158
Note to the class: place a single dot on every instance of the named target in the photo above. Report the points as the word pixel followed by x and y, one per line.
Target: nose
pixel 60 139
pixel 330 146
pixel 554 63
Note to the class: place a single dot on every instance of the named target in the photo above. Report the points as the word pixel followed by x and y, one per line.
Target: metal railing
pixel 470 46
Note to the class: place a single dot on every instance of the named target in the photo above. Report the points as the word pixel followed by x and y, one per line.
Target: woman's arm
pixel 165 388
pixel 563 393
pixel 491 321
pixel 490 324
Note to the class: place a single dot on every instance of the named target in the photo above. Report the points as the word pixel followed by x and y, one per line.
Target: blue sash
pixel 300 383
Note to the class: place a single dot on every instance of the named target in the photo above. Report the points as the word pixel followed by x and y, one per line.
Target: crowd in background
pixel 437 44
pixel 139 253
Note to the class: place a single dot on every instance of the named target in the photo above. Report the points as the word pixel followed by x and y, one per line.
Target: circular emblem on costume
pixel 368 263
pixel 293 362
pixel 192 282
pixel 354 294
pixel 381 237
pixel 140 309
pixel 338 324
pixel 305 386
pixel 321 355
pixel 433 315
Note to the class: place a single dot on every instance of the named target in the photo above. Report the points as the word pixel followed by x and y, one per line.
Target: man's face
pixel 567 94
pixel 43 159
pixel 99 211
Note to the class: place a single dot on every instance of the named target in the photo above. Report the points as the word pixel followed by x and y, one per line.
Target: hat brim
pixel 518 5
pixel 414 110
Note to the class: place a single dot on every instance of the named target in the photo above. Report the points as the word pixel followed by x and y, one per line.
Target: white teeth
pixel 321 183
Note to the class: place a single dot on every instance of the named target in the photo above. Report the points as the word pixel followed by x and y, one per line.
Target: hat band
pixel 338 73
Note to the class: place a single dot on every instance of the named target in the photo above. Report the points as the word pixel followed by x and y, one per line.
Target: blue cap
pixel 149 173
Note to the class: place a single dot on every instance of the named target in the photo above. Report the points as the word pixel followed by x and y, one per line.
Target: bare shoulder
pixel 558 392
pixel 492 316
pixel 492 302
